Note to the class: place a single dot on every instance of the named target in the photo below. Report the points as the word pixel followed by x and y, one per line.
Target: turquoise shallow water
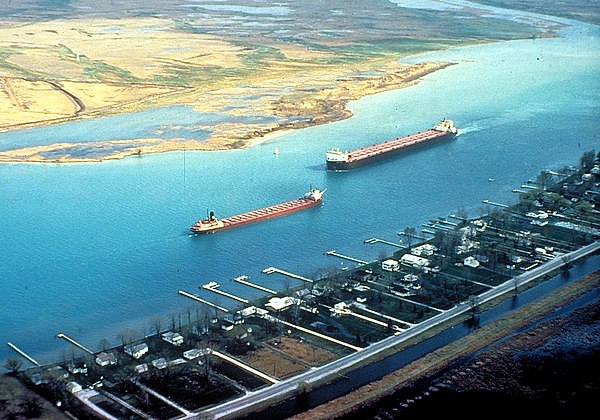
pixel 90 249
pixel 160 123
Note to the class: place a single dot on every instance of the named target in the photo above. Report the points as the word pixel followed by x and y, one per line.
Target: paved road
pixel 288 387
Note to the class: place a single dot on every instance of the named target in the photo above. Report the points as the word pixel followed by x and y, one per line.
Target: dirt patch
pixel 302 351
pixel 272 363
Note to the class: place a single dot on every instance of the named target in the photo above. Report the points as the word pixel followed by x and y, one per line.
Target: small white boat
pixel 276 151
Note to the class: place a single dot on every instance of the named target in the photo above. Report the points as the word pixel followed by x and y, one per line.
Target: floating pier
pixel 244 280
pixel 75 343
pixel 345 257
pixel 271 270
pixel 199 299
pixel 214 287
pixel 382 241
pixel 22 353
pixel 491 203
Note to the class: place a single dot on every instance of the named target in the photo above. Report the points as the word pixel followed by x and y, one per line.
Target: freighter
pixel 211 224
pixel 340 161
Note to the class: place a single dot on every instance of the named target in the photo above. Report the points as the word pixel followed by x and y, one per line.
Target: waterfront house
pixel 424 250
pixel 280 304
pixel 74 387
pixel 142 368
pixel 471 262
pixel 106 359
pixel 74 368
pixel 390 265
pixel 226 325
pixel 253 311
pixel 193 353
pixel 159 363
pixel 414 261
pixel 172 337
pixel 136 350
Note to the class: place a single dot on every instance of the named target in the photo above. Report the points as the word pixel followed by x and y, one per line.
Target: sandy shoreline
pixel 331 104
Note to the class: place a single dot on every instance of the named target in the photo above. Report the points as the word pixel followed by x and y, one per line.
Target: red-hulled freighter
pixel 340 161
pixel 211 224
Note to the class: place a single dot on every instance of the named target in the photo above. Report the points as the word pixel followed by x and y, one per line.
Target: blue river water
pixel 91 249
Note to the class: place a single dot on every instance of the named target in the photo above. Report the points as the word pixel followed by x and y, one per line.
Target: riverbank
pixel 443 357
pixel 321 107
pixel 259 69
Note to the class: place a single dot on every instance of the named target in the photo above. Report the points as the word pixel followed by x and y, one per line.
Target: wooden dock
pixel 222 293
pixel 244 280
pixel 271 270
pixel 199 299
pixel 382 241
pixel 345 257
pixel 22 353
pixel 491 203
pixel 75 343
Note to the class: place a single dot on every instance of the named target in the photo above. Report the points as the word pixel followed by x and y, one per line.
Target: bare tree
pixel 13 364
pixel 125 336
pixel 586 162
pixel 474 303
pixel 103 344
pixel 173 316
pixel 461 213
pixel 31 405
pixel 157 322
pixel 410 233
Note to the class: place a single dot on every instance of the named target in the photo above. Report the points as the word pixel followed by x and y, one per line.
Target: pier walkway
pixel 244 280
pixel 199 299
pixel 271 270
pixel 491 203
pixel 382 241
pixel 345 257
pixel 244 366
pixel 22 353
pixel 216 290
pixel 75 343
